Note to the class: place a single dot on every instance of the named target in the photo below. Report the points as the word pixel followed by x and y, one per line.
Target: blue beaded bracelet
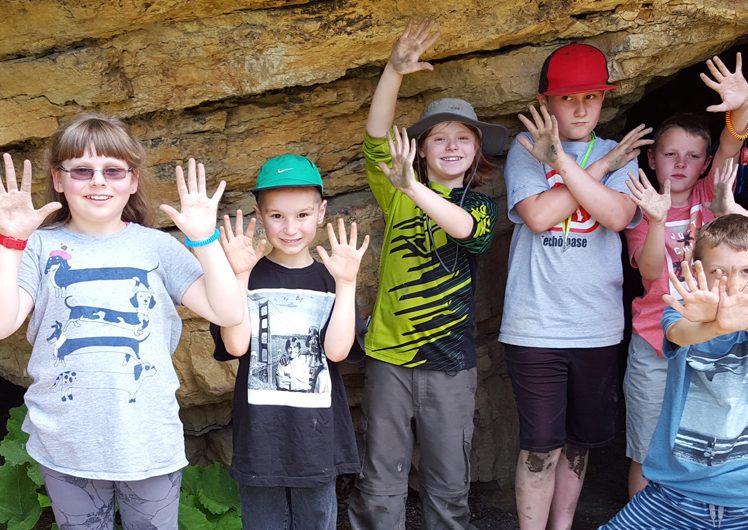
pixel 193 244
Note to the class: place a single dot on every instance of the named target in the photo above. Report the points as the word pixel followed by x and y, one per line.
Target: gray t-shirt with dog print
pixel 102 403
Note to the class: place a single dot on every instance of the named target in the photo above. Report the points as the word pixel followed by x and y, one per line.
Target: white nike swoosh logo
pixel 284 170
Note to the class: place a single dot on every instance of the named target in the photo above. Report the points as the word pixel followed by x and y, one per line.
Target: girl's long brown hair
pixel 108 136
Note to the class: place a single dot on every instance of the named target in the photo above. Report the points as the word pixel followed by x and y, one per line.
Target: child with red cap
pixel 563 310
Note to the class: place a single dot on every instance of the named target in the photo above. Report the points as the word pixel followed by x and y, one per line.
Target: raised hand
pixel 724 182
pixel 700 303
pixel 628 148
pixel 731 86
pixel 544 131
pixel 407 51
pixel 238 244
pixel 344 258
pixel 197 218
pixel 18 218
pixel 655 205
pixel 732 314
pixel 403 152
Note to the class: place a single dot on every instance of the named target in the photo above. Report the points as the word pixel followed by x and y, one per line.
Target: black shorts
pixel 564 395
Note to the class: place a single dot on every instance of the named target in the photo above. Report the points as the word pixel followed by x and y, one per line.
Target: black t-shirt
pixel 291 422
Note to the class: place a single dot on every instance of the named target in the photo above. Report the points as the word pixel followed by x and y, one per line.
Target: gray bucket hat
pixel 492 135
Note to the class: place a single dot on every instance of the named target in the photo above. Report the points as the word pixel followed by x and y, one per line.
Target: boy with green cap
pixel 563 306
pixel 291 440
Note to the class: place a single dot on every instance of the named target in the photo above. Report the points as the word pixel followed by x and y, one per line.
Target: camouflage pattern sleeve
pixel 484 212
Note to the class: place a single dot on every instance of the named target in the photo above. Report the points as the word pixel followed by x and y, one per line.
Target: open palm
pixel 543 127
pixel 238 245
pixel 731 86
pixel 18 218
pixel 344 258
pixel 197 217
pixel 415 40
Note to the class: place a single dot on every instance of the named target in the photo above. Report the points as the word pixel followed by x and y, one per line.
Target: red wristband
pixel 12 242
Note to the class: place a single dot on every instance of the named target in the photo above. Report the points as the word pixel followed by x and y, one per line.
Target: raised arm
pixel 404 59
pixel 724 183
pixel 651 256
pixel 733 89
pixel 730 312
pixel 542 211
pixel 243 255
pixel 214 295
pixel 449 216
pixel 342 263
pixel 18 219
pixel 628 149
pixel 699 307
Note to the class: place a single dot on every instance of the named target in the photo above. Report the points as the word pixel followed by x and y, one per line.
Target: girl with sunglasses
pixel 103 418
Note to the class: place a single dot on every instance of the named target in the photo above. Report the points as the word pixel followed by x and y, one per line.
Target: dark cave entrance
pixel 682 92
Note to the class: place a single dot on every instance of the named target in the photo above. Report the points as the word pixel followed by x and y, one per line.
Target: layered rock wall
pixel 233 83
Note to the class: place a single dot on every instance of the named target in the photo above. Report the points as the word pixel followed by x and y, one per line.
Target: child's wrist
pixel 391 68
pixel 656 221
pixel 601 167
pixel 347 283
pixel 563 161
pixel 740 135
pixel 202 241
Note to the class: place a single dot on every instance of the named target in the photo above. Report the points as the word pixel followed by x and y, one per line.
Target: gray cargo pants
pixel 402 407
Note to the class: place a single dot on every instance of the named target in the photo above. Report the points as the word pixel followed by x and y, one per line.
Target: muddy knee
pixel 540 462
pixel 577 458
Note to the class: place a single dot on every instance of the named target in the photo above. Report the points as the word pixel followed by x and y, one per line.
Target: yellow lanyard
pixel 566 223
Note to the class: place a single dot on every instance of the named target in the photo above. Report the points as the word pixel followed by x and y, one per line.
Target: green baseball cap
pixel 288 171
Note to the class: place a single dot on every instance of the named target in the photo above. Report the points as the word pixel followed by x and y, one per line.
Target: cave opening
pixel 681 92
pixel 684 92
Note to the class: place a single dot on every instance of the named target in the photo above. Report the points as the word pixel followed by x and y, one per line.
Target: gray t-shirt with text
pixel 564 286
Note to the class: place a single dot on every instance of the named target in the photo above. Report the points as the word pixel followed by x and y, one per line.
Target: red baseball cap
pixel 573 69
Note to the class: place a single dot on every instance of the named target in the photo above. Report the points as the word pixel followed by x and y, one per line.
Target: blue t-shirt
pixel 700 446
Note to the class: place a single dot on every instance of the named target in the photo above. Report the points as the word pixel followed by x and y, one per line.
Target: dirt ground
pixel 603 495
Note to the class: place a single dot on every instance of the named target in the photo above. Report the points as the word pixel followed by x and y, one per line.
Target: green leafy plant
pixel 209 498
pixel 22 494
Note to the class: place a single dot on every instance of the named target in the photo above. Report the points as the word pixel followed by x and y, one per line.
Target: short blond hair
pixel 730 230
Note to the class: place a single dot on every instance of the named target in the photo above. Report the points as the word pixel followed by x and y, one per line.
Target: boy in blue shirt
pixel 697 463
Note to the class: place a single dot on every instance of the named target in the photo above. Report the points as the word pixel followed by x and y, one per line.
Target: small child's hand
pixel 699 302
pixel 197 219
pixel 544 131
pixel 731 86
pixel 237 245
pixel 732 314
pixel 656 206
pixel 344 258
pixel 408 49
pixel 18 218
pixel 628 148
pixel 724 182
pixel 403 152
